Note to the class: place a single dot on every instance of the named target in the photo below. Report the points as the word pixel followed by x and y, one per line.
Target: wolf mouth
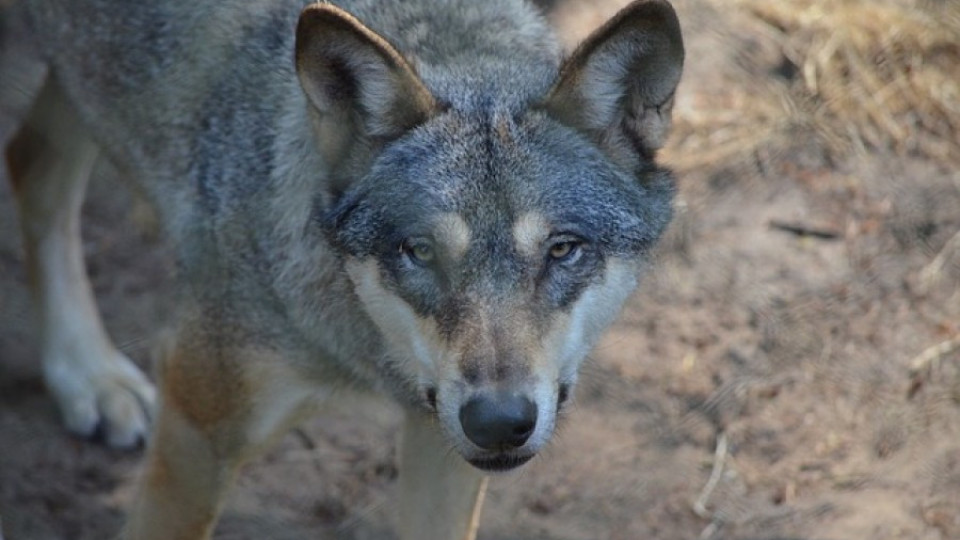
pixel 500 463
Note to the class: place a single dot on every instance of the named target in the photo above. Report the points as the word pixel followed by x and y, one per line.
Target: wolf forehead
pixel 493 169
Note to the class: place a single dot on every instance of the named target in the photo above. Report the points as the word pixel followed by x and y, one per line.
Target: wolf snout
pixel 498 421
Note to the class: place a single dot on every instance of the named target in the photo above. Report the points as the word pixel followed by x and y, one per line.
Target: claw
pixel 104 398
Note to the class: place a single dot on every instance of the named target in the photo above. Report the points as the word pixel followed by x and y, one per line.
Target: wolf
pixel 422 199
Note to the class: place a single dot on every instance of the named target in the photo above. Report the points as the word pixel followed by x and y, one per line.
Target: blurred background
pixel 790 368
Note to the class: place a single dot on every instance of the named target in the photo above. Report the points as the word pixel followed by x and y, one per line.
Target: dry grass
pixel 858 75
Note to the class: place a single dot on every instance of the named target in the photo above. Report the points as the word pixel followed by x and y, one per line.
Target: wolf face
pixel 493 237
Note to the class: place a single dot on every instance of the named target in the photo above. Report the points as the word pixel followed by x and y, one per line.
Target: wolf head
pixel 490 239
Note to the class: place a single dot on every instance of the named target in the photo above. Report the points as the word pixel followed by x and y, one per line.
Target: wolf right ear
pixel 360 86
pixel 618 85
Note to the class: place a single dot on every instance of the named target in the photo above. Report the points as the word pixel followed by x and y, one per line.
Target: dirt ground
pixel 790 368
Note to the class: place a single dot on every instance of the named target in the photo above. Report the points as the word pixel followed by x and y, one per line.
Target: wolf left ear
pixel 618 85
pixel 360 86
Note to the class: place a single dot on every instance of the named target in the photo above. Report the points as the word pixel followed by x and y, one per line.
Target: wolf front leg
pixel 441 495
pixel 97 388
pixel 220 406
pixel 185 479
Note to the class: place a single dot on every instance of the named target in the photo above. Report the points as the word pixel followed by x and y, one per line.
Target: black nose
pixel 498 422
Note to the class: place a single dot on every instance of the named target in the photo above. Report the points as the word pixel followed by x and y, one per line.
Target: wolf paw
pixel 102 396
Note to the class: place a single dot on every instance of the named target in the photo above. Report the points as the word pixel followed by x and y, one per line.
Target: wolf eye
pixel 565 250
pixel 419 251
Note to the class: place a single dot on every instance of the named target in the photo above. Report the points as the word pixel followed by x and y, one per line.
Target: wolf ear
pixel 618 85
pixel 359 85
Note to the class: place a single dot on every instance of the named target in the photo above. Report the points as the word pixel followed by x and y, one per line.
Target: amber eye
pixel 423 252
pixel 419 251
pixel 564 250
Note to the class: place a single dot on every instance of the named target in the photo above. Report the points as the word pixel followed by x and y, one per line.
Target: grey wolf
pixel 421 199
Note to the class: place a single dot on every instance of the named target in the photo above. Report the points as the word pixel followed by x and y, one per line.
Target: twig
pixel 710 530
pixel 931 273
pixel 930 358
pixel 805 231
pixel 305 439
pixel 477 508
pixel 719 457
pixel 922 365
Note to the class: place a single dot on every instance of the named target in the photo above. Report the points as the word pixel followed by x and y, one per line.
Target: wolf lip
pixel 500 463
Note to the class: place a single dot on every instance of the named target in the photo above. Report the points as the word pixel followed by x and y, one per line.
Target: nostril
pixel 498 422
pixel 431 395
pixel 523 431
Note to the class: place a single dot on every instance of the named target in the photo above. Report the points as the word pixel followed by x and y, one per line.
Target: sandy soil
pixel 758 387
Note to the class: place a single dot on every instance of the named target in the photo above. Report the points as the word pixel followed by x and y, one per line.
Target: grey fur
pixel 185 151
pixel 200 103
